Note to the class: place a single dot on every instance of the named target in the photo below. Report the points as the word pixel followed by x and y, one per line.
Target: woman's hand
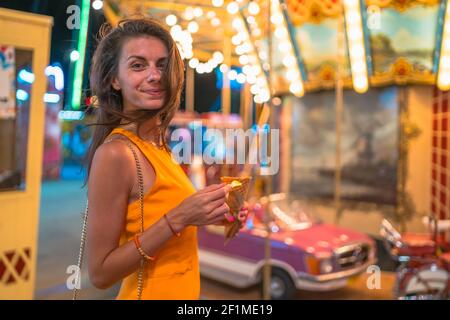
pixel 204 207
pixel 243 214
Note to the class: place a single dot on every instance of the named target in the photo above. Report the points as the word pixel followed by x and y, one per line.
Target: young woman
pixel 137 76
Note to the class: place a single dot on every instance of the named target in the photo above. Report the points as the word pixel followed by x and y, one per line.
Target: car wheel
pixel 281 285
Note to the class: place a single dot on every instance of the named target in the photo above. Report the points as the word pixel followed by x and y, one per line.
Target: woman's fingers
pixel 212 187
pixel 229 217
pixel 216 203
pixel 222 213
pixel 218 193
pixel 218 221
pixel 242 216
pixel 218 212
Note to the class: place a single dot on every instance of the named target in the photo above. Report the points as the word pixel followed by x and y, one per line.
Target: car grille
pixel 352 255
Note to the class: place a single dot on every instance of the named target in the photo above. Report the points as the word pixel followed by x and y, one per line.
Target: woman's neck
pixel 148 130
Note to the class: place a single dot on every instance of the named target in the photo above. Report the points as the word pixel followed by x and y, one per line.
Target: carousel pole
pixel 246 104
pixel 263 116
pixel 402 163
pixel 226 91
pixel 339 111
pixel 190 74
pixel 268 184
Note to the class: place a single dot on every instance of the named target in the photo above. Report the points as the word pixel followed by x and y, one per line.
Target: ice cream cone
pixel 235 200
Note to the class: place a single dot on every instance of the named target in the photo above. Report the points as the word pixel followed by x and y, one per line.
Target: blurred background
pixel 356 89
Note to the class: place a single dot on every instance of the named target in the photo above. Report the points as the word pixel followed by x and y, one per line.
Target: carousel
pixel 358 92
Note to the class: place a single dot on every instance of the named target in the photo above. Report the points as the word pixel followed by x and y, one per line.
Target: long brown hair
pixel 105 65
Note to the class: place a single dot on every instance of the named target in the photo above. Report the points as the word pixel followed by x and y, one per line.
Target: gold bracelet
pixel 137 243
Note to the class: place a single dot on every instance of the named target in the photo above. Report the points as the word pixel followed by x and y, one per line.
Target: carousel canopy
pixel 305 45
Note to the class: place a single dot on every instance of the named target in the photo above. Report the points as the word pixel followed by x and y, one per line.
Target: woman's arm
pixel 111 180
pixel 110 183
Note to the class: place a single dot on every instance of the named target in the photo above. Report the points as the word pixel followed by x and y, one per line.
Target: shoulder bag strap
pixel 84 231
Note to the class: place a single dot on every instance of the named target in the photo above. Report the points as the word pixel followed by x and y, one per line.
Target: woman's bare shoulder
pixel 114 150
pixel 115 157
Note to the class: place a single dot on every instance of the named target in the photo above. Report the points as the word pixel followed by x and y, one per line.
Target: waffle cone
pixel 235 201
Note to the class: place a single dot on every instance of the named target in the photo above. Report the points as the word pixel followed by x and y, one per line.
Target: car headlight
pixel 326 266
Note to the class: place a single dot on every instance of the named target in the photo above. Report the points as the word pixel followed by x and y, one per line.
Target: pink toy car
pixel 305 253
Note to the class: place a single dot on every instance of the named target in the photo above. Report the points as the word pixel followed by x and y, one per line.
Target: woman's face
pixel 141 64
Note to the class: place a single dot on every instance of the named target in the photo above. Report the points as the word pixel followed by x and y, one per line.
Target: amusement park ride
pixel 279 51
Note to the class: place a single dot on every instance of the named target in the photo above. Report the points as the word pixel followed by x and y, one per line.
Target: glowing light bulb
pixel 171 20
pixel 193 27
pixel 74 55
pixel 97 4
pixel 233 7
pixel 198 12
pixel 217 3
pixel 253 8
pixel 223 68
pixel 193 63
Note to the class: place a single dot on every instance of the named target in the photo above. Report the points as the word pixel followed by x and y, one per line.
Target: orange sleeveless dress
pixel 175 272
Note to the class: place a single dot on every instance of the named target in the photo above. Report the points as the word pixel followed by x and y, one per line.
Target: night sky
pixel 64 41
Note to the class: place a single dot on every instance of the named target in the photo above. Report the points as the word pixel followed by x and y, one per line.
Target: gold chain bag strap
pixel 84 229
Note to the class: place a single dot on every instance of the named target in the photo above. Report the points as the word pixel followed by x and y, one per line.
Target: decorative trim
pixel 402 72
pixel 400 5
pixel 314 11
pixel 15 266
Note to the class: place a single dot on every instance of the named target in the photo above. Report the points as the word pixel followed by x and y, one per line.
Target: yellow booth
pixel 24 54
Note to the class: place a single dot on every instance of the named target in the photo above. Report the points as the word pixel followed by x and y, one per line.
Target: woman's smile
pixel 155 93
